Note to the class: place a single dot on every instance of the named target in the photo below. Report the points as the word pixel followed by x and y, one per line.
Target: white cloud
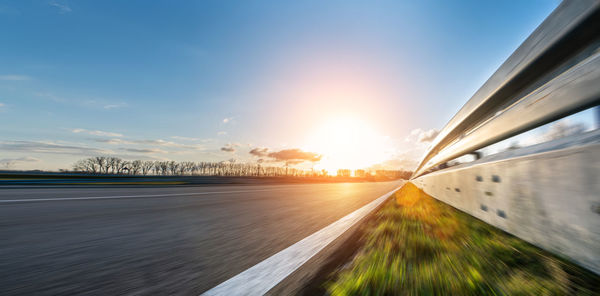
pixel 145 150
pixel 422 136
pixel 111 141
pixel 410 151
pixel 13 77
pixel 227 120
pixel 186 138
pixel 428 136
pixel 149 142
pixel 24 159
pixel 401 162
pixel 564 128
pixel 160 142
pixel 50 147
pixel 62 8
pixel 230 147
pixel 221 133
pixel 9 162
pixel 114 106
pixel 556 130
pixel 96 133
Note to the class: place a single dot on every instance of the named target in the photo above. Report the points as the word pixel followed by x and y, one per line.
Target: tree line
pixel 119 166
pixel 116 165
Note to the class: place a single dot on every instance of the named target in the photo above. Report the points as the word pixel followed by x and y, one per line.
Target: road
pixel 157 240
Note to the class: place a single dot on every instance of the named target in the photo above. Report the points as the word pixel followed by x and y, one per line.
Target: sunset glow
pixel 347 142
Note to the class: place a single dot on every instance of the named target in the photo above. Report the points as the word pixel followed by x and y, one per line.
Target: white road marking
pixel 128 196
pixel 262 277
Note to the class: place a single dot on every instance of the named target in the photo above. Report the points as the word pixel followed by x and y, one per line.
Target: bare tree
pixel 88 165
pixel 80 166
pixel 181 168
pixel 173 167
pixel 92 166
pixel 164 167
pixel 102 164
pixel 112 163
pixel 117 165
pixel 122 165
pixel 146 167
pixel 187 167
pixel 135 167
pixel 157 167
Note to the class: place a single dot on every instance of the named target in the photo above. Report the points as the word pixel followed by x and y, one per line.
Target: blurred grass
pixel 420 246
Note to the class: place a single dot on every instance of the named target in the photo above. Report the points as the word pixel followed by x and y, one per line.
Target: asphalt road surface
pixel 157 240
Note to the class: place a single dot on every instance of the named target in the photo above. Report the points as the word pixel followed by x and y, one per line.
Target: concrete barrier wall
pixel 550 199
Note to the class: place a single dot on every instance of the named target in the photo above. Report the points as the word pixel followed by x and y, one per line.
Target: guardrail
pixel 547 194
pixel 553 74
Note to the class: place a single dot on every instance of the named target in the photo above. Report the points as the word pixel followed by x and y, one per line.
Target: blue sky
pixel 158 80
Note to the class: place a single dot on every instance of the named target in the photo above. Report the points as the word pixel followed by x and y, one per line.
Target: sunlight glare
pixel 347 142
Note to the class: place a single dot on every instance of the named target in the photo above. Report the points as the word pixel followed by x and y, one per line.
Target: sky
pixel 215 80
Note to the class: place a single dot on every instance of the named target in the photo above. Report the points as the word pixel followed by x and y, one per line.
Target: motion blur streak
pixel 175 245
pixel 127 196
pixel 261 278
pixel 420 246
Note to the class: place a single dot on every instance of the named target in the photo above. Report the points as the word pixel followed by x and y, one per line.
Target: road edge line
pixel 262 277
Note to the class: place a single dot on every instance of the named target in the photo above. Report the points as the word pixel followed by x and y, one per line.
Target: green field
pixel 417 245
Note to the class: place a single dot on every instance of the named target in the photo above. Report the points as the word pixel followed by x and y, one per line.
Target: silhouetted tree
pixel 116 165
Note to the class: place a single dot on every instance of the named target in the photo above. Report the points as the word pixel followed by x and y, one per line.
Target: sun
pixel 347 142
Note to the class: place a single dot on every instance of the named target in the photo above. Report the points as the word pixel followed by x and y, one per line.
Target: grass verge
pixel 417 245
